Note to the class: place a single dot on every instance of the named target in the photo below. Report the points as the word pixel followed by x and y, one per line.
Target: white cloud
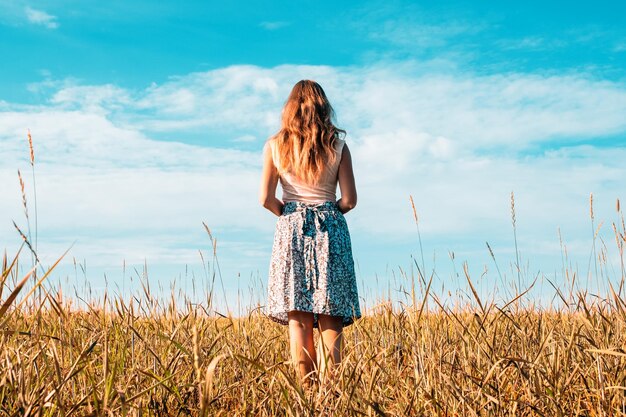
pixel 242 96
pixel 245 138
pixel 422 36
pixel 533 43
pixel 40 17
pixel 619 47
pixel 505 111
pixel 511 111
pixel 459 143
pixel 92 99
pixel 274 25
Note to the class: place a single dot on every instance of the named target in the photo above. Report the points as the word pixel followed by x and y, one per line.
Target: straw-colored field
pixel 145 358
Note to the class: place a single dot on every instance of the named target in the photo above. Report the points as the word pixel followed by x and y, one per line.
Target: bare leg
pixel 331 329
pixel 301 343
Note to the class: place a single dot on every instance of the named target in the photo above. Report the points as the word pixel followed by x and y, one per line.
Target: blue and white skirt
pixel 312 268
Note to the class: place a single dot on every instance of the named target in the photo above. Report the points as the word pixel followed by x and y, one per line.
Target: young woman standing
pixel 311 282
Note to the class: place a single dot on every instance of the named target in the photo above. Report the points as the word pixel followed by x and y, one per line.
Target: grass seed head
pixel 23 189
pixel 32 151
pixel 513 207
pixel 413 206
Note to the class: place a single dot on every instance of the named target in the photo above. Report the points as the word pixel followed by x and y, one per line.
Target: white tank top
pixel 295 189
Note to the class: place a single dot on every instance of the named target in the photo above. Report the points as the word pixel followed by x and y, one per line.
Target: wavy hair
pixel 305 142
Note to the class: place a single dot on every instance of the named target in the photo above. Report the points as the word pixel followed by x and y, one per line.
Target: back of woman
pixel 311 281
pixel 296 189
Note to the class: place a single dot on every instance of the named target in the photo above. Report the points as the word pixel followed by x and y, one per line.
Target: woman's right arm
pixel 346 182
pixel 269 181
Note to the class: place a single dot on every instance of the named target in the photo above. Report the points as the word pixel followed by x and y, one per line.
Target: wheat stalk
pixel 419 237
pixel 517 262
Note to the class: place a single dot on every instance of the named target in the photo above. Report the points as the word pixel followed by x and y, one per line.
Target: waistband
pixel 293 206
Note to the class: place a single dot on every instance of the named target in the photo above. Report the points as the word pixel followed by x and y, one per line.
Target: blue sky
pixel 149 118
pixel 133 44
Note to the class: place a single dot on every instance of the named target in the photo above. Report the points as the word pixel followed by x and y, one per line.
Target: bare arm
pixel 346 182
pixel 269 181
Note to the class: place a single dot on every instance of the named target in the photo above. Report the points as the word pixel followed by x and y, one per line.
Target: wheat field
pixel 151 357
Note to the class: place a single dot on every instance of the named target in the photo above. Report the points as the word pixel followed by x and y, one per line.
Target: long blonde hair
pixel 305 142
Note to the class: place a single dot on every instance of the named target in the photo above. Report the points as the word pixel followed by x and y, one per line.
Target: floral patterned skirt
pixel 311 268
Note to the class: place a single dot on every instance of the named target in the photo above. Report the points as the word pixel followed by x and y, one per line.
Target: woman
pixel 311 279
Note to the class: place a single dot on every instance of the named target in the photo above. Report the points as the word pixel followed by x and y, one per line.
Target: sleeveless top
pixel 295 189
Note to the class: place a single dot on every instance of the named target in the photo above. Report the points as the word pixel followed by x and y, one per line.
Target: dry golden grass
pixel 152 357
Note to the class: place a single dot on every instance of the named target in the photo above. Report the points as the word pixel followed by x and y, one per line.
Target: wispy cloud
pixel 274 25
pixel 532 43
pixel 245 138
pixel 620 47
pixel 416 31
pixel 92 99
pixel 421 35
pixel 40 17
pixel 512 111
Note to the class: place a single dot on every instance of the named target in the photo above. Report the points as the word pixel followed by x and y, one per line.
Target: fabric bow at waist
pixel 312 215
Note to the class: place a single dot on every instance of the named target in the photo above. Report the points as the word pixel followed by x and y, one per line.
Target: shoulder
pixel 345 154
pixel 340 144
pixel 270 145
pixel 269 150
pixel 341 147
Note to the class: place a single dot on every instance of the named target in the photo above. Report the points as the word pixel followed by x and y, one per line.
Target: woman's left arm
pixel 269 181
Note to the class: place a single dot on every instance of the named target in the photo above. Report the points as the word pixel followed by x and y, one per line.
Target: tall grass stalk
pixel 32 165
pixel 419 237
pixel 592 255
pixel 517 263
